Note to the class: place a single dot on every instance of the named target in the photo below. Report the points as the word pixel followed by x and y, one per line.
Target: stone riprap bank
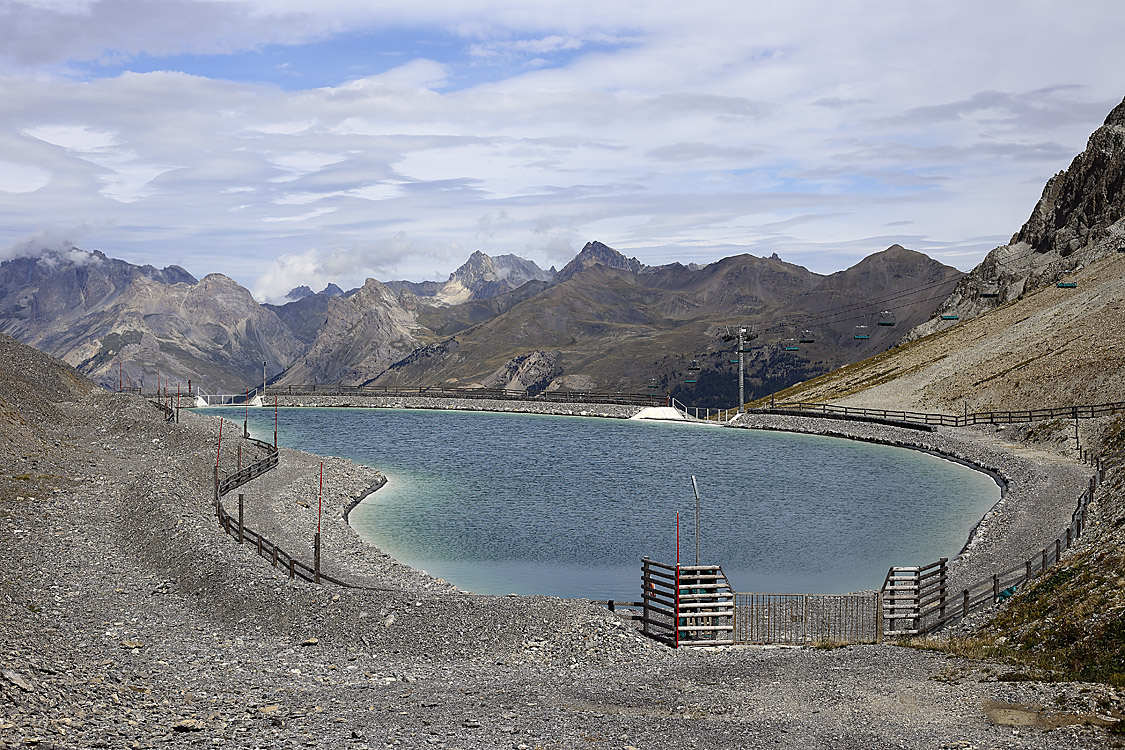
pixel 613 411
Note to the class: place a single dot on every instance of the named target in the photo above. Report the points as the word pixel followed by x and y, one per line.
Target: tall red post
pixel 275 422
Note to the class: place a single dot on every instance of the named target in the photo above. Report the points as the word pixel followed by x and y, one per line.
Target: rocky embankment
pixel 130 620
pixel 614 411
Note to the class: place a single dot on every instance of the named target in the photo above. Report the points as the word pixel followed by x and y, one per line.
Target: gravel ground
pixel 130 620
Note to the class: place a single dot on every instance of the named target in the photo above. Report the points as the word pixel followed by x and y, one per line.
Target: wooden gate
pixel 807 619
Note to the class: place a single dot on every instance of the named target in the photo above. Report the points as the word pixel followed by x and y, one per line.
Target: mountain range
pixel 603 322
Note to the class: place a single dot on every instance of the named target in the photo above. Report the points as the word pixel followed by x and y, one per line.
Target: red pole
pixel 220 443
pixel 275 422
pixel 319 497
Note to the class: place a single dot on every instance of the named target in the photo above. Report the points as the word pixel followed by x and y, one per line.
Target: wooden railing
pixel 236 527
pixel 944 420
pixel 498 394
pixel 932 613
pixel 914 598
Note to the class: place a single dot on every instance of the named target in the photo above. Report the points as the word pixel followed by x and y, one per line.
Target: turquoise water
pixel 514 503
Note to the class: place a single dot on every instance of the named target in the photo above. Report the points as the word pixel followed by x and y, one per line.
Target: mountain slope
pixel 363 334
pixel 111 320
pixel 605 327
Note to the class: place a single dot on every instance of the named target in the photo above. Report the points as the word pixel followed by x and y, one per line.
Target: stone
pixel 189 725
pixel 310 641
pixel 17 679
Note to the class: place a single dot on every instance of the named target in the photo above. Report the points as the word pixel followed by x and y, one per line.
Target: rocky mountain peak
pixel 298 292
pixel 1116 115
pixel 595 253
pixel 1079 218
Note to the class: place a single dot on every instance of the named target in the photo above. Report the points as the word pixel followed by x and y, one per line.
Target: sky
pixel 285 143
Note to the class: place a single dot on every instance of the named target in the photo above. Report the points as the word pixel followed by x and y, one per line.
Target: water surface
pixel 500 503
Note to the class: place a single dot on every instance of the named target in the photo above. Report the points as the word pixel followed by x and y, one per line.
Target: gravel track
pixel 130 620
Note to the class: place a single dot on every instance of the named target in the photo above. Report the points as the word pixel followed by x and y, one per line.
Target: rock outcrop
pixel 1079 218
pixel 115 321
pixel 363 334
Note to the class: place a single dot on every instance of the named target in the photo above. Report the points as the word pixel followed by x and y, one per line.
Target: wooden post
pixel 259 545
pixel 274 561
pixel 609 604
pixel 995 588
pixel 292 568
pixel 1058 551
pixel 644 596
pixel 965 603
pixel 316 558
pixel 1027 570
pixel 1069 539
pixel 878 616
pixel 1044 558
pixel 240 499
pixel 944 580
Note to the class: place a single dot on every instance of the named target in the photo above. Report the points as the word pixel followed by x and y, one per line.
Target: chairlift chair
pixel 694 366
pixel 861 333
pixel 1067 285
pixel 790 345
pixel 886 318
pixel 950 316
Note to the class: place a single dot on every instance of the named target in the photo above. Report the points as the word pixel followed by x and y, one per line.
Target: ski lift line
pixel 831 316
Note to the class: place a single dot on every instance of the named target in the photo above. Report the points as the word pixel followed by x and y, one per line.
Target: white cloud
pixel 648 125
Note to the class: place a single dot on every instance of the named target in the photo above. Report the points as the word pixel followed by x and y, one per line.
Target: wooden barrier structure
pixel 914 597
pixel 942 420
pixel 686 605
pixel 235 526
pixel 931 613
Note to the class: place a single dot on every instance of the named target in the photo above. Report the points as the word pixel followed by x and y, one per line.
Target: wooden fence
pixel 945 420
pixel 499 394
pixel 930 612
pixel 686 605
pixel 914 598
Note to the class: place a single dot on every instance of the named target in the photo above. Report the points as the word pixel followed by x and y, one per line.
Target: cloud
pixel 649 125
pixel 51 246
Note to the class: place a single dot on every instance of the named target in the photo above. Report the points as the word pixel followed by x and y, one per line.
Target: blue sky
pixel 284 143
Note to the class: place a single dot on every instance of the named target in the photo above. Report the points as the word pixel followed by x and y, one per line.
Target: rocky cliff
pixel 1079 218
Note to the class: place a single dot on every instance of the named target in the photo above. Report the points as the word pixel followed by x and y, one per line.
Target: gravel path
pixel 130 620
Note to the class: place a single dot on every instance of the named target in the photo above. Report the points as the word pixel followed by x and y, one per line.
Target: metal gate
pixel 807 619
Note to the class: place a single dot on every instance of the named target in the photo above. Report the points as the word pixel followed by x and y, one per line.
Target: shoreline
pixel 1039 495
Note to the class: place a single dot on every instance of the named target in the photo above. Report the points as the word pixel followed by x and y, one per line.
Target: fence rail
pixel 946 420
pixel 235 526
pixel 499 394
pixel 1003 583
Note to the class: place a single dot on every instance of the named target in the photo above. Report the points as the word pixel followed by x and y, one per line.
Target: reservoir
pixel 567 506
